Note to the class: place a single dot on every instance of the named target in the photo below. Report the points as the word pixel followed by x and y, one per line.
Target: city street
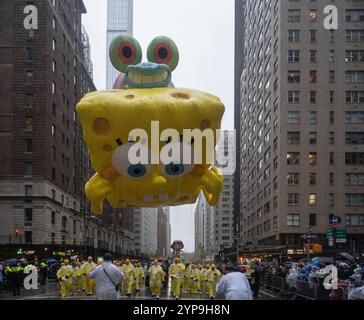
pixel 51 292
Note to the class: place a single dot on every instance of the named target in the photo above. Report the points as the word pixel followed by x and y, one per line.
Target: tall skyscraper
pixel 302 123
pixel 239 63
pixel 44 162
pixel 164 232
pixel 119 21
pixel 214 225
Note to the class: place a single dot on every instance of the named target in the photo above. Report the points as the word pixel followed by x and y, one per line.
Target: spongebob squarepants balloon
pixel 144 95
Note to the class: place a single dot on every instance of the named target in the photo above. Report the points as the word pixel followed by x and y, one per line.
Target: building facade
pixel 119 21
pixel 44 161
pixel 214 226
pixel 164 232
pixel 302 123
pixel 146 231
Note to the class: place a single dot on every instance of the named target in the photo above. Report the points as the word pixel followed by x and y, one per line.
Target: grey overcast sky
pixel 204 33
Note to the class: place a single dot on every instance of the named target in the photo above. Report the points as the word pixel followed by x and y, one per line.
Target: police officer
pixel 14 274
pixel 44 272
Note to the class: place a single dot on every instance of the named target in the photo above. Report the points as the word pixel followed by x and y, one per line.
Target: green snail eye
pixel 124 51
pixel 163 50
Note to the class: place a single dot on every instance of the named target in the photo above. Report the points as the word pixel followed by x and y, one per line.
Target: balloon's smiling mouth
pixel 148 75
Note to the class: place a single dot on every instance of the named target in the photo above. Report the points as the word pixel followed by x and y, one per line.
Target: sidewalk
pixel 50 288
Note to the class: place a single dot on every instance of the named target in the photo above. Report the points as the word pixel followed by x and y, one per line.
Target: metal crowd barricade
pixel 307 290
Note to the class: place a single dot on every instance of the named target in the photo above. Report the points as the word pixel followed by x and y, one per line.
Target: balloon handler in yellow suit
pixel 186 278
pixel 195 276
pixel 139 276
pixel 128 270
pixel 88 283
pixel 78 277
pixel 156 277
pixel 176 271
pixel 64 276
pixel 212 276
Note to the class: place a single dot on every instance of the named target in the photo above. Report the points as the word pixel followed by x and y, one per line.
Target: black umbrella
pixel 347 257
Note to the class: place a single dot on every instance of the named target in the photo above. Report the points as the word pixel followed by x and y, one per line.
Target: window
pixel 312 158
pixel 293 199
pixel 354 97
pixel 53 217
pixel 54 23
pixel 331 137
pixel 313 178
pixel 293 178
pixel 312 220
pixel 28 145
pixel 313 56
pixel 313 35
pixel 29 54
pixel 29 100
pixel 331 200
pixel 332 117
pixel 354 220
pixel 354 76
pixel 312 199
pixel 354 179
pixel 53 173
pixel 28 190
pixel 356 56
pixel 294 15
pixel 54 44
pixel 293 137
pixel 293 117
pixel 354 199
pixel 354 137
pixel 294 76
pixel 331 56
pixel 28 237
pixel 29 77
pixel 293 158
pixel 332 97
pixel 354 15
pixel 29 123
pixel 355 35
pixel 332 76
pixel 331 178
pixel 293 220
pixel 313 15
pixel 313 97
pixel 332 35
pixel 64 223
pixel 312 117
pixel 312 137
pixel 293 35
pixel 54 66
pixel 332 158
pixel 53 238
pixel 294 56
pixel 293 96
pixel 28 168
pixel 28 216
pixel 53 87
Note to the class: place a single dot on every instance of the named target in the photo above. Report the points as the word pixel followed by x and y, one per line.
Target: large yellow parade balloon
pixel 144 99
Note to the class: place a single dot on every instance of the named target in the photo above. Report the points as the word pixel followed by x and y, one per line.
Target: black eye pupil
pixel 127 52
pixel 162 53
pixel 175 168
pixel 137 171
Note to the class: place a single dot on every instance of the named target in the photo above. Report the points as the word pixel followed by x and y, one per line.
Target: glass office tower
pixel 119 21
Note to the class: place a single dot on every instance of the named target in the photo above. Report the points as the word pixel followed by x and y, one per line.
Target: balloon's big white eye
pixel 163 50
pixel 124 51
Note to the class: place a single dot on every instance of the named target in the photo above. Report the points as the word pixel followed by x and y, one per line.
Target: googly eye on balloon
pixel 163 50
pixel 124 50
pixel 121 161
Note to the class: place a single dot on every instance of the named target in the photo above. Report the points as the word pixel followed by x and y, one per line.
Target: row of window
pixel 351 15
pixel 351 178
pixel 351 35
pixel 356 76
pixel 294 137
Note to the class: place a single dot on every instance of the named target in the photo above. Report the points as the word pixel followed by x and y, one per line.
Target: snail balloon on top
pixel 146 117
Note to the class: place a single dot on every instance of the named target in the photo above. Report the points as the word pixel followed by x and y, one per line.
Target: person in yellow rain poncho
pixel 128 270
pixel 77 277
pixel 89 284
pixel 156 277
pixel 186 278
pixel 204 285
pixel 139 276
pixel 176 271
pixel 64 276
pixel 213 276
pixel 195 276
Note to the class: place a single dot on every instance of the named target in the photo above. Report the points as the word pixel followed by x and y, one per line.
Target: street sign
pixel 335 221
pixel 341 233
pixel 340 240
pixel 330 233
pixel 309 236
